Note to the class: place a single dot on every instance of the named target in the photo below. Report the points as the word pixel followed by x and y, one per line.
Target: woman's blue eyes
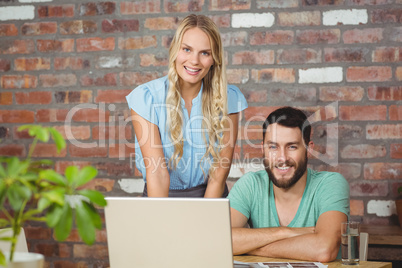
pixel 186 49
pixel 203 53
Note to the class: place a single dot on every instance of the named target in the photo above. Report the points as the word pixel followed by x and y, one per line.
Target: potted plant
pixel 31 190
pixel 398 204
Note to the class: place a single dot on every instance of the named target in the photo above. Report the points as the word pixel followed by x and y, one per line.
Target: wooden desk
pixel 334 264
pixel 383 235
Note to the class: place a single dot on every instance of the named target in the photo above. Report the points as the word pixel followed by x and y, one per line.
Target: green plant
pixel 30 190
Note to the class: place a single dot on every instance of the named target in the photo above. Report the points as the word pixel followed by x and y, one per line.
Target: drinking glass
pixel 350 243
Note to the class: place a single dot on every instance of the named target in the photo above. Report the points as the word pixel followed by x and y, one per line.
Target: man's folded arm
pixel 248 239
pixel 323 245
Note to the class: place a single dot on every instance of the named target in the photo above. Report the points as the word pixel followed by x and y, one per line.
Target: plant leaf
pixel 55 196
pixel 58 139
pixel 85 175
pixel 70 173
pixel 53 215
pixel 63 228
pixel 43 203
pixel 17 195
pixel 53 176
pixel 85 225
pixel 3 260
pixel 94 196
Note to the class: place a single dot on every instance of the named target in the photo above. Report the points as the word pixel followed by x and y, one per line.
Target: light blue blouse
pixel 149 101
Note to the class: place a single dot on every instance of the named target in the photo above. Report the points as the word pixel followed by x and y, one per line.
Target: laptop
pixel 168 232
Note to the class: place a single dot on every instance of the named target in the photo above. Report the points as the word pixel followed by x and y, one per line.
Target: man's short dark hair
pixel 289 117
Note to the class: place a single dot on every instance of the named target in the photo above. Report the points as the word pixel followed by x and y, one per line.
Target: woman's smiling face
pixel 194 58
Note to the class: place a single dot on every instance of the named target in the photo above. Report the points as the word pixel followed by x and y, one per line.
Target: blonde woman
pixel 186 123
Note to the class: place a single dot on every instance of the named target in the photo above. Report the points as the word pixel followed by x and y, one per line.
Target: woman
pixel 186 123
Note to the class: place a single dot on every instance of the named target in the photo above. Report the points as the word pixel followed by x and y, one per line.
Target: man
pixel 294 212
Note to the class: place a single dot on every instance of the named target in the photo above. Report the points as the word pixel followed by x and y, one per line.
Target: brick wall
pixel 70 63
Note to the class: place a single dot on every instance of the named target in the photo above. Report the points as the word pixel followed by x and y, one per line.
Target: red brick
pixel 18 47
pixel 237 76
pixel 250 133
pixel 383 171
pixel 8 30
pixel 310 37
pixel 6 98
pixel 33 97
pixel 252 151
pixel 396 34
pixel 348 170
pixel 375 221
pixel 89 115
pixel 31 64
pixel 48 150
pixel 306 18
pixel 398 73
pixel 395 113
pixel 19 81
pixel 37 233
pixel 51 46
pixel 78 27
pixel 97 8
pixel 153 60
pixel 277 4
pixel 12 149
pixel 345 93
pixel 56 11
pixel 95 44
pixel 385 93
pixel 356 207
pixel 39 28
pixel 50 115
pixel 368 2
pixel 354 54
pixel 322 2
pixel 336 131
pixel 172 6
pixel 5 65
pixel 387 54
pixel 137 42
pixel 383 131
pixel 112 133
pixel 282 75
pixel 140 7
pixel 70 264
pixel 386 15
pixel 363 151
pixel 121 150
pixel 366 189
pixel 362 113
pixel 95 251
pixel 64 250
pixel 369 74
pixel 113 26
pixel 220 5
pixel 394 188
pixel 102 185
pixel 61 166
pixel 102 80
pixel 221 21
pixel 258 113
pixel 83 96
pixel 292 94
pixel 256 96
pixel 272 38
pixel 112 96
pixel 261 57
pixel 87 150
pixel 137 78
pixel 162 23
pixel 396 150
pixel 58 80
pixel 71 63
pixel 374 35
pixel 74 132
pixel 298 55
pixel 234 38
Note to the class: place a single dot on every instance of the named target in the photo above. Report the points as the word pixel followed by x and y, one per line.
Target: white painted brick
pixel 382 208
pixel 110 62
pixel 238 170
pixel 321 75
pixel 34 1
pixel 345 17
pixel 132 185
pixel 17 13
pixel 248 20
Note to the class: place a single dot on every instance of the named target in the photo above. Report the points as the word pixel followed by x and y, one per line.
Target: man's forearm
pixel 246 239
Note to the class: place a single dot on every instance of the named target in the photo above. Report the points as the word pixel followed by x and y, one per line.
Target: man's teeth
pixel 283 168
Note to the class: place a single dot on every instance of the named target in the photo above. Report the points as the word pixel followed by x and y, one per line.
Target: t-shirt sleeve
pixel 236 100
pixel 241 194
pixel 141 101
pixel 334 194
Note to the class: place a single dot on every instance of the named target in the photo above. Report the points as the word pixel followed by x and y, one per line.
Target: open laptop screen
pixel 168 232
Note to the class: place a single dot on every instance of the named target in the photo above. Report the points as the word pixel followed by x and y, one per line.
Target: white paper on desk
pixel 238 264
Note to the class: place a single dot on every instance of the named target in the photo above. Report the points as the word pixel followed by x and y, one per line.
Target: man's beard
pixel 286 184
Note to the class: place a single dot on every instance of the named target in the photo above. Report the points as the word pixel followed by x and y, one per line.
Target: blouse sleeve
pixel 141 101
pixel 236 100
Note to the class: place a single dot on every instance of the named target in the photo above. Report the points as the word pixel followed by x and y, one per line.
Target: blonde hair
pixel 214 95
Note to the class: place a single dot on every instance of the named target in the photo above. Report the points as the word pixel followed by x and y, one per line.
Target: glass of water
pixel 350 243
